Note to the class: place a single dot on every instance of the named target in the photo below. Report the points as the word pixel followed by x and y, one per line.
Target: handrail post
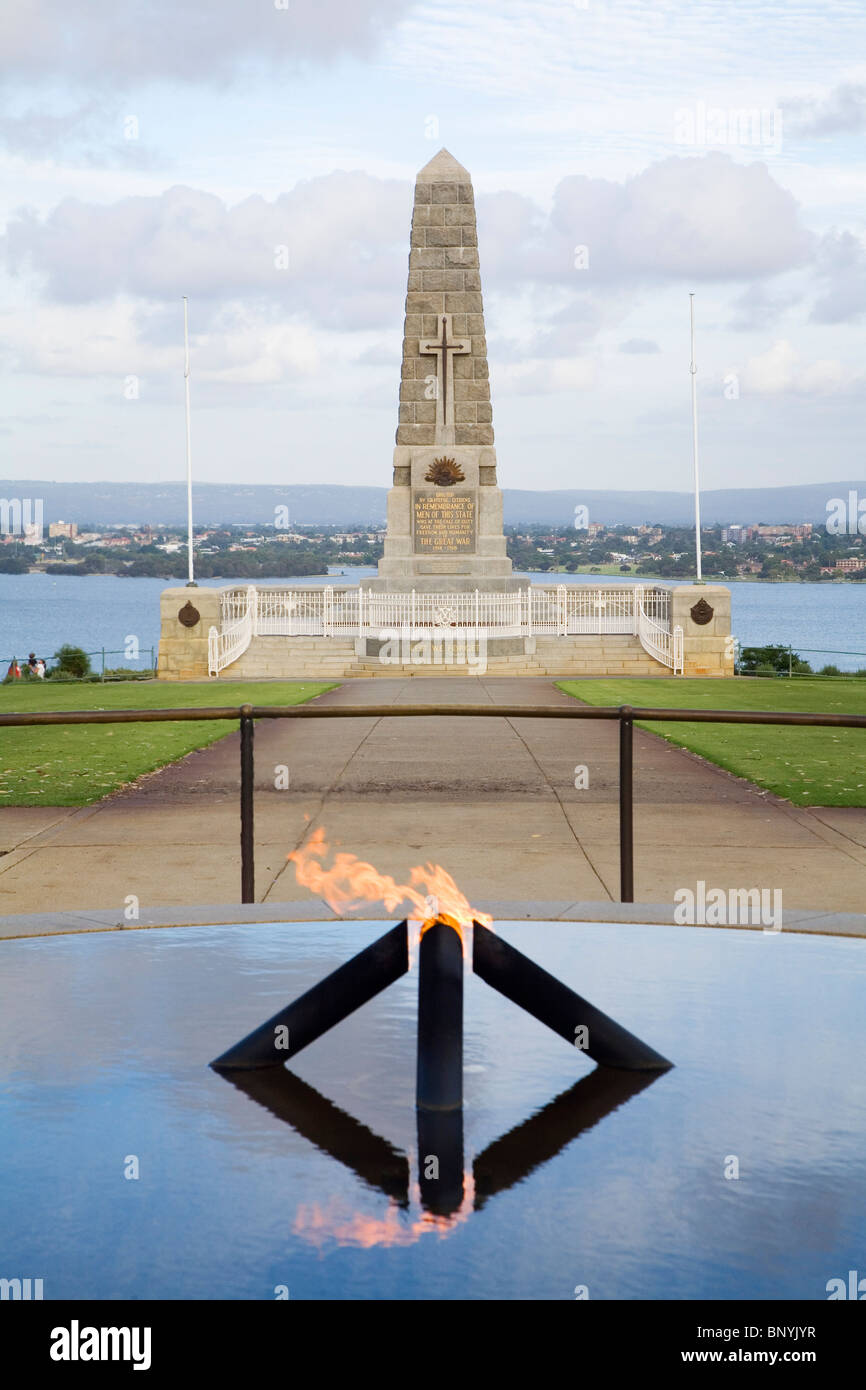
pixel 626 806
pixel 248 866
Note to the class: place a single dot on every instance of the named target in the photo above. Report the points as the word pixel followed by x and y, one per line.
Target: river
pixel 39 612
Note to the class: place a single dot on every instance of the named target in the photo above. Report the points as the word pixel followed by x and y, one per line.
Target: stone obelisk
pixel 444 528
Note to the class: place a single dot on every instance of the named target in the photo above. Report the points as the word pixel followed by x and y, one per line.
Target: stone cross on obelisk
pixel 445 507
pixel 443 348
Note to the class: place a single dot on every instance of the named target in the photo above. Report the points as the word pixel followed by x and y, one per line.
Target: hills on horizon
pixel 334 504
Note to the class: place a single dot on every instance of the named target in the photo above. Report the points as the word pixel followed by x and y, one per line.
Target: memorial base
pixel 446 538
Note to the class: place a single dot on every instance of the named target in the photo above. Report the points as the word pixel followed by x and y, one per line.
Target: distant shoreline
pixel 554 576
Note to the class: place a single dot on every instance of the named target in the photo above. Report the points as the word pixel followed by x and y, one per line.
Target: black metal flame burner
pixel 439 1081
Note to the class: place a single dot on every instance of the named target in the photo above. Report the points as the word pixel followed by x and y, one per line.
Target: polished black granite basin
pixel 306 1182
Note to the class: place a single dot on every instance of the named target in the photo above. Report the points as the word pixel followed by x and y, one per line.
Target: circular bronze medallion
pixel 188 615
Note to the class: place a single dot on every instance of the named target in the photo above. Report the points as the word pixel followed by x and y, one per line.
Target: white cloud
pixel 104 43
pixel 343 240
pixel 758 307
pixel 545 378
pixel 109 341
pixel 90 129
pixel 779 371
pixel 706 217
pixel 841 274
pixel 334 247
pixel 539 48
pixel 840 111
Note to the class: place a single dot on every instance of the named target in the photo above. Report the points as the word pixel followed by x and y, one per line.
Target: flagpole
pixel 191 583
pixel 694 374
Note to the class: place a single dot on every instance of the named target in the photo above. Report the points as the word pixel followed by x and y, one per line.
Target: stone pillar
pixel 707 648
pixel 183 639
pixel 445 507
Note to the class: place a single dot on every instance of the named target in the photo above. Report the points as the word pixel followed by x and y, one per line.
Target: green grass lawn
pixel 78 764
pixel 811 767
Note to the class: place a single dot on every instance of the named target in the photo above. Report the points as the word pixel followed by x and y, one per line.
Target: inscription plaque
pixel 443 524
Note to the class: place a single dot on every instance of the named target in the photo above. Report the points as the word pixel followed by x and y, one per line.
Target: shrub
pixel 830 670
pixel 72 662
pixel 764 661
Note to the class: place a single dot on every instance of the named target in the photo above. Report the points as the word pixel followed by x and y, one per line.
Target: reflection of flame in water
pixel 431 891
pixel 431 894
pixel 317 1224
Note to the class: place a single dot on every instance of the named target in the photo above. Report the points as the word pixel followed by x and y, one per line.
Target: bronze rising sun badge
pixel 444 472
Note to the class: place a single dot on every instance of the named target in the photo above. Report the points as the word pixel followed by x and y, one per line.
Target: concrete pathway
pixel 493 801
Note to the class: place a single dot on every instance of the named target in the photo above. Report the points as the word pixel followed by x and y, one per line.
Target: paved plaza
pixel 494 801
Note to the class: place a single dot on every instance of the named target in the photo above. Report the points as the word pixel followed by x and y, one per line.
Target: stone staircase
pixel 610 654
pixel 495 666
pixel 334 658
pixel 293 658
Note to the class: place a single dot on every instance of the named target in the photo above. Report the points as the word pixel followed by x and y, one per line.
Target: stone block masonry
pixel 708 648
pixel 444 462
pixel 186 615
pixel 444 278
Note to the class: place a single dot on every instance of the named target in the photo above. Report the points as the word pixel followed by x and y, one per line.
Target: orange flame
pixel 430 894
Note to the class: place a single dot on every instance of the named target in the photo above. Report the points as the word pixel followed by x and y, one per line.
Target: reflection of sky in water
pixel 108 1038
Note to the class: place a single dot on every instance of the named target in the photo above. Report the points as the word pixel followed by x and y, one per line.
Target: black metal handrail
pixel 624 714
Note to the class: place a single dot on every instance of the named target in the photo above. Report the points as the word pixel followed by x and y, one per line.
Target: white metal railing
pixel 424 613
pixel 660 642
pixel 557 610
pixel 238 623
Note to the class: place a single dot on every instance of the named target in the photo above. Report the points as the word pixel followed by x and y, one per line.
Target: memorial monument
pixel 444 582
pixel 444 529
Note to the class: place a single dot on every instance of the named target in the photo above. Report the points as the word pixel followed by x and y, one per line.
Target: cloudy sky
pixel 259 155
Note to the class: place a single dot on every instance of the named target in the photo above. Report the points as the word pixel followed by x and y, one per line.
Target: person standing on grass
pixel 40 668
pixel 32 663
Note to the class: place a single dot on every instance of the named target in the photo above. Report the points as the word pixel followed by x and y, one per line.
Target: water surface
pixel 41 611
pixel 106 1040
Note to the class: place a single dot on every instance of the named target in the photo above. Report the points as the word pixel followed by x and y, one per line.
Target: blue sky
pixel 160 150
